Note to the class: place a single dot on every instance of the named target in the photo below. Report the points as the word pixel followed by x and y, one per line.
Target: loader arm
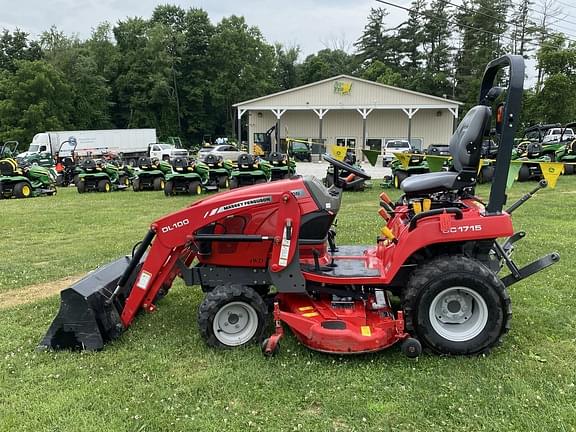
pixel 176 237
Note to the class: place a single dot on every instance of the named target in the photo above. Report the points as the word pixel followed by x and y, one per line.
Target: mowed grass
pixel 160 376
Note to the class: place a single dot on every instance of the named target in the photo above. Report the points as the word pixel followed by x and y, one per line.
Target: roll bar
pixel 512 109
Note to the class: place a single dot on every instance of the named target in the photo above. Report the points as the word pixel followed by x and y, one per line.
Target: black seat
pixel 465 148
pixel 277 157
pixel 8 167
pixel 246 159
pixel 533 150
pixel 212 159
pixel 180 163
pixel 89 165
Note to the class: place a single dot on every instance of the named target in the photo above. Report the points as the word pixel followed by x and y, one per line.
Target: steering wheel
pixel 346 167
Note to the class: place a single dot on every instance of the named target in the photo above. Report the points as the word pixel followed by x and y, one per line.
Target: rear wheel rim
pixel 26 191
pixel 107 187
pixel 235 323
pixel 198 190
pixel 458 314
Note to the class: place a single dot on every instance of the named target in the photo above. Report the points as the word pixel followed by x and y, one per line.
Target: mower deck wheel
pixel 232 315
pixel 399 177
pixel 270 351
pixel 411 347
pixel 524 173
pixel 456 305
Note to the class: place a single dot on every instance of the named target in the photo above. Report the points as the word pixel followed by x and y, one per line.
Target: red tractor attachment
pixel 267 253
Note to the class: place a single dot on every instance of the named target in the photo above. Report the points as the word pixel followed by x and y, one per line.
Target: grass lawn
pixel 160 376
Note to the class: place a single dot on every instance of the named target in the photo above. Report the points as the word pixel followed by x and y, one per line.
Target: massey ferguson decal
pixel 239 204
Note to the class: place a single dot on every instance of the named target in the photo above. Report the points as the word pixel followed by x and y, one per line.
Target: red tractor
pixel 438 252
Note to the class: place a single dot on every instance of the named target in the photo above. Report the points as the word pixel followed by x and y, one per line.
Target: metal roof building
pixel 346 110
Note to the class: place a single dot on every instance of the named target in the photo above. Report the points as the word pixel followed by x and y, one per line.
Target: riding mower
pixel 438 252
pixel 348 180
pixel 282 167
pixel 151 174
pixel 531 154
pixel 416 165
pixel 101 175
pixel 567 154
pixel 187 176
pixel 249 171
pixel 66 168
pixel 22 180
pixel 219 171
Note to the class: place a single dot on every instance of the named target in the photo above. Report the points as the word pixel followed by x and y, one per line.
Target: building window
pixel 374 144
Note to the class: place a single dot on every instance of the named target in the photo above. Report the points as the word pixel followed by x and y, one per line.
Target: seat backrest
pixel 533 149
pixel 8 167
pixel 466 142
pixel 246 159
pixel 144 162
pixel 89 164
pixel 276 157
pixel 179 163
pixel 212 159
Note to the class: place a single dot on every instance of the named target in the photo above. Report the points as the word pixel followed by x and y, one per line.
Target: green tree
pixel 16 46
pixel 378 42
pixel 244 67
pixel 327 63
pixel 286 68
pixel 34 98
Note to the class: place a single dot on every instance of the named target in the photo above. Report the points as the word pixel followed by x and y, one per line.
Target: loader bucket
pixel 85 320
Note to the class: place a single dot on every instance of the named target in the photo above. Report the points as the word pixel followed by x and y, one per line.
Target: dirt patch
pixel 33 293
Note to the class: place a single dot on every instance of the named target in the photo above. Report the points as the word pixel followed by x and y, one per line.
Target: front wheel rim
pixel 458 314
pixel 235 323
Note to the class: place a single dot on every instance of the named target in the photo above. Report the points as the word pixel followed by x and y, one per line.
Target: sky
pixel 310 24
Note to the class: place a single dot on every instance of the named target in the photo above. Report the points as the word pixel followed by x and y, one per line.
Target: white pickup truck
pixel 555 134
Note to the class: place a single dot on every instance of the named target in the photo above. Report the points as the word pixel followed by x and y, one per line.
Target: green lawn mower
pixel 249 171
pixel 99 175
pixel 23 180
pixel 567 154
pixel 282 167
pixel 219 171
pixel 531 153
pixel 416 165
pixel 151 174
pixel 187 177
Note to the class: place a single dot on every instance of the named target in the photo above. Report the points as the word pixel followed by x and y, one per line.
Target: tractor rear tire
pixel 455 305
pixel 158 184
pixel 136 185
pixel 81 186
pixel 233 183
pixel 124 181
pixel 568 169
pixel 524 173
pixel 169 188
pixel 22 190
pixel 399 177
pixel 195 188
pixel 223 182
pixel 104 186
pixel 231 316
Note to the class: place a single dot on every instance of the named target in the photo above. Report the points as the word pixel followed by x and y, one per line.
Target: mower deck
pixel 341 325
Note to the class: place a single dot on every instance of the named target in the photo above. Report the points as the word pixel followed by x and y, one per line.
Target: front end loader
pixel 439 250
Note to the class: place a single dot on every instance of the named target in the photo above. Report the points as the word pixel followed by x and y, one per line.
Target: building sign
pixel 342 88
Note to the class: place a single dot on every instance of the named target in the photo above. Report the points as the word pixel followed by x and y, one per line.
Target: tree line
pixel 180 73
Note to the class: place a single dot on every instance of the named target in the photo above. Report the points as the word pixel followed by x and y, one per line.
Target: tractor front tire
pixel 22 190
pixel 169 188
pixel 81 186
pixel 524 173
pixel 104 186
pixel 158 184
pixel 223 182
pixel 399 177
pixel 568 169
pixel 233 183
pixel 231 316
pixel 195 188
pixel 136 185
pixel 486 174
pixel 455 305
